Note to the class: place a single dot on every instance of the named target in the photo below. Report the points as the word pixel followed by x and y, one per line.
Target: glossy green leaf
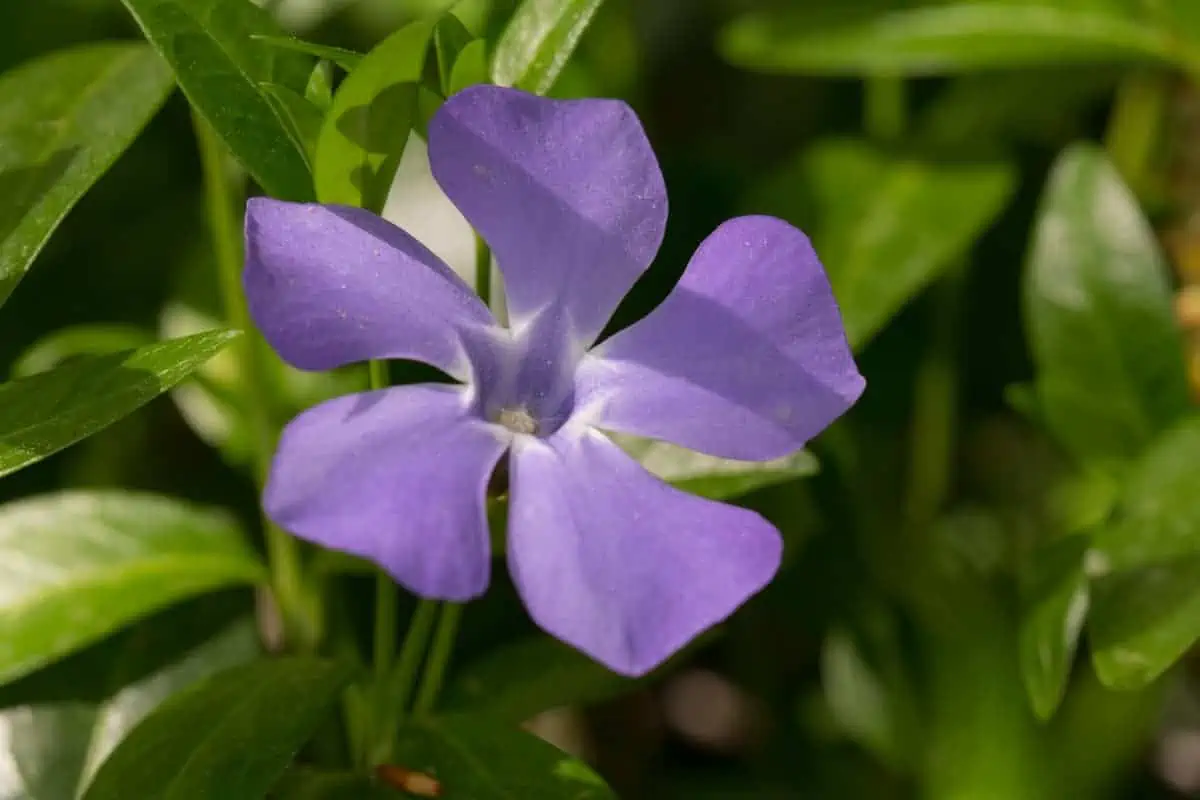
pixel 64 119
pixel 223 68
pixel 1042 105
pixel 858 697
pixel 1109 358
pixel 78 340
pixel 310 784
pixel 885 225
pixel 1147 607
pixel 538 40
pixel 1055 596
pixel 710 476
pixel 346 59
pixel 366 129
pixel 78 565
pixel 44 413
pixel 450 37
pixel 538 673
pixel 484 760
pixel 302 117
pixel 319 90
pixel 229 736
pixel 61 723
pixel 528 677
pixel 870 37
pixel 1144 620
pixel 470 68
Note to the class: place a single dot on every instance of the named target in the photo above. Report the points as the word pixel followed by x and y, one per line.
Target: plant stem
pixel 483 270
pixel 387 596
pixel 439 659
pixel 935 410
pixel 1134 125
pixel 416 641
pixel 301 624
pixel 884 115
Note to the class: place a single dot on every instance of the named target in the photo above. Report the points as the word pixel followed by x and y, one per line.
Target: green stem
pixel 483 270
pixel 221 198
pixel 1134 128
pixel 439 659
pixel 387 597
pixel 884 113
pixel 935 410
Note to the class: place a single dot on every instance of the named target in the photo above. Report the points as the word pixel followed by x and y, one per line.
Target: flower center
pixel 518 420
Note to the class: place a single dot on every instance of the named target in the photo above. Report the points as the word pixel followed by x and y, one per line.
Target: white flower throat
pixel 518 420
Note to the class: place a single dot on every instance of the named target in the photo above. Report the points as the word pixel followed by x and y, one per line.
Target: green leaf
pixel 1055 597
pixel 76 566
pixel 366 129
pixel 222 68
pixel 62 722
pixel 450 38
pixel 64 119
pixel 78 340
pixel 229 736
pixel 859 698
pixel 310 784
pixel 303 118
pixel 855 38
pixel 319 90
pixel 44 413
pixel 1144 620
pixel 1098 314
pixel 523 679
pixel 538 40
pixel 1147 606
pixel 538 673
pixel 1158 518
pixel 885 225
pixel 470 68
pixel 483 760
pixel 710 476
pixel 346 59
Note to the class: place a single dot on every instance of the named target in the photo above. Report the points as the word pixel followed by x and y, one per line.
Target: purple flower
pixel 746 359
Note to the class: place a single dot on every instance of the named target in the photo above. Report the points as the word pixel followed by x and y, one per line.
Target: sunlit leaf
pixel 60 723
pixel 539 673
pixel 710 476
pixel 365 131
pixel 1109 357
pixel 64 119
pixel 1055 598
pixel 346 59
pixel 884 225
pixel 538 41
pixel 76 566
pixel 858 37
pixel 230 736
pixel 78 340
pixel 222 68
pixel 43 413
pixel 1147 608
pixel 450 37
pixel 483 760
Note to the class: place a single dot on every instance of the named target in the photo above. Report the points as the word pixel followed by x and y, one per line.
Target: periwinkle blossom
pixel 746 359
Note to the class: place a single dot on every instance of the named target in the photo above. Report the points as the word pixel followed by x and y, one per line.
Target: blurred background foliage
pixel 992 582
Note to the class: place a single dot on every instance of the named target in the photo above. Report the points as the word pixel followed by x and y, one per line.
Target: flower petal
pixel 330 285
pixel 397 476
pixel 620 565
pixel 746 358
pixel 567 193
